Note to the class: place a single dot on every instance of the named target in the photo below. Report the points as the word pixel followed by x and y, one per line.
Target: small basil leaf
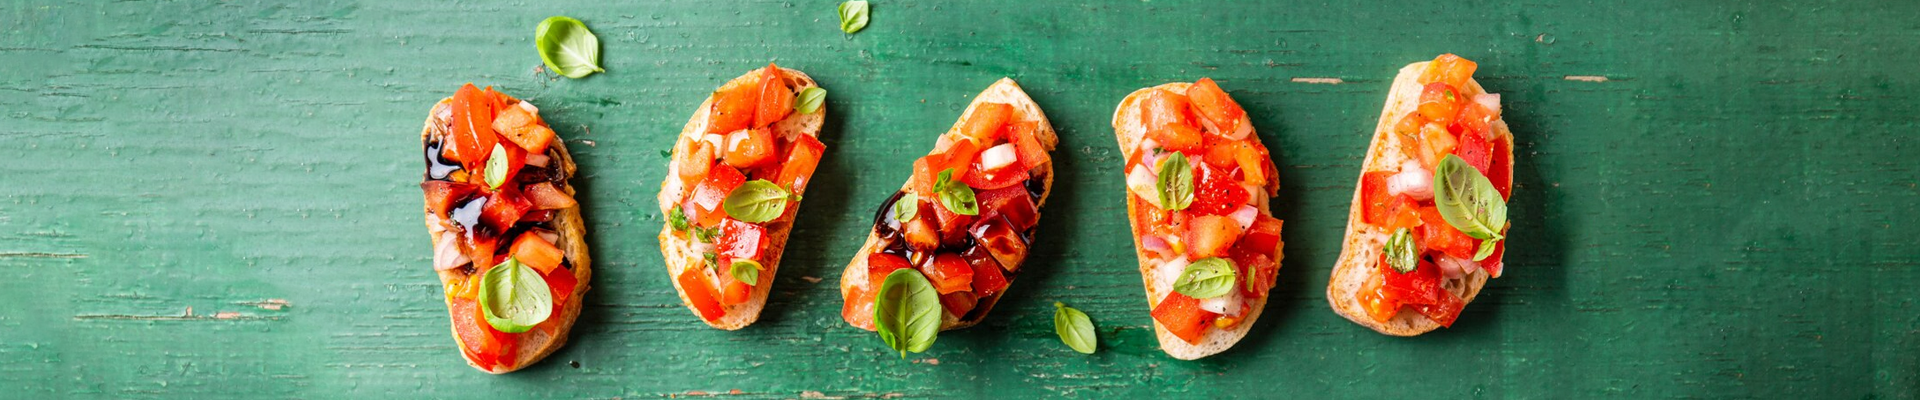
pixel 1401 254
pixel 756 201
pixel 1205 279
pixel 906 312
pixel 955 196
pixel 705 235
pixel 496 173
pixel 514 297
pixel 746 271
pixel 853 16
pixel 1486 249
pixel 712 260
pixel 677 219
pixel 1467 200
pixel 906 207
pixel 810 100
pixel 1074 328
pixel 567 47
pixel 1176 182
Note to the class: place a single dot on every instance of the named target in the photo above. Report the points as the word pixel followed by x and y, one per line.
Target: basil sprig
pixel 1176 183
pixel 703 234
pixel 853 16
pixel 567 47
pixel 677 219
pixel 756 201
pixel 906 207
pixel 1208 278
pixel 906 312
pixel 810 100
pixel 496 173
pixel 514 297
pixel 956 196
pixel 1074 328
pixel 1468 201
pixel 1401 254
pixel 747 271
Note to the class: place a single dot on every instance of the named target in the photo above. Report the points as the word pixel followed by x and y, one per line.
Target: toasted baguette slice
pixel 537 343
pixel 1004 91
pixel 1363 242
pixel 680 252
pixel 1128 129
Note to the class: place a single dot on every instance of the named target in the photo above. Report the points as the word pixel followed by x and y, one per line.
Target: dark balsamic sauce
pixel 438 166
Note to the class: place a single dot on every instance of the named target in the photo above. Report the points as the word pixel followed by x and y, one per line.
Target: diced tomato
pixel 1436 235
pixel 1263 237
pixel 742 241
pixel 544 196
pixel 504 208
pixel 1377 305
pixel 441 195
pixel 1182 316
pixel 922 233
pixel 1422 286
pixel 1011 202
pixel 1177 137
pixel 536 252
pixel 1435 143
pixel 959 303
pixel 537 216
pixel 1443 313
pixel 524 129
pixel 1210 236
pixel 802 158
pixel 748 148
pixel 480 249
pixel 1494 263
pixel 949 273
pixel 958 157
pixel 1229 321
pixel 712 191
pixel 734 107
pixel 879 265
pixel 1213 104
pixel 1449 69
pixel 1440 102
pixel 1501 173
pixel 1159 107
pixel 1032 153
pixel 701 293
pixel 1005 177
pixel 857 310
pixel 695 160
pixel 488 347
pixel 473 135
pixel 998 237
pixel 988 279
pixel 1244 158
pixel 776 99
pixel 1474 119
pixel 1255 267
pixel 952 226
pixel 1375 202
pixel 1476 151
pixel 1216 191
pixel 983 124
pixel 732 292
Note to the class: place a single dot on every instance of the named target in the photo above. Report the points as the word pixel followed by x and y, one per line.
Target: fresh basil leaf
pixel 1074 328
pixel 747 271
pixel 567 47
pixel 906 312
pixel 496 173
pixel 705 235
pixel 677 219
pixel 1486 249
pixel 514 297
pixel 756 201
pixel 955 196
pixel 906 207
pixel 1176 182
pixel 810 100
pixel 1467 200
pixel 1401 254
pixel 853 15
pixel 1205 279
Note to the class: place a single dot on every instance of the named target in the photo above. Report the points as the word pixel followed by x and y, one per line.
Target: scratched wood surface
pixel 217 199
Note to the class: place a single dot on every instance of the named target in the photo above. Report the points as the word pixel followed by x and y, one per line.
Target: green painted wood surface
pixel 217 199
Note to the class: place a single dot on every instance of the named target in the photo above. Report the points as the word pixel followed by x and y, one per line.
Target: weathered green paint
pixel 216 199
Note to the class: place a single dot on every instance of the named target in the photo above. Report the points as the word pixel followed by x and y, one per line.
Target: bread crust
pixel 679 252
pixel 1129 131
pixel 1004 91
pixel 1362 243
pixel 535 344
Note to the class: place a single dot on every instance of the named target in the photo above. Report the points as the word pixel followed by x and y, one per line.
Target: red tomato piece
pixel 1440 102
pixel 1216 191
pixel 504 208
pixel 1434 234
pixel 1263 237
pixel 536 252
pixel 1182 316
pixel 1159 107
pixel 701 293
pixel 544 196
pixel 473 137
pixel 1011 202
pixel 802 158
pixel 1449 69
pixel 694 161
pixel 1473 119
pixel 1255 267
pixel 521 127
pixel 1494 263
pixel 1032 153
pixel 1001 241
pixel 1375 202
pixel 952 226
pixel 712 191
pixel 1476 151
pixel 1422 286
pixel 776 99
pixel 742 241
pixel 1210 236
pixel 441 195
pixel 748 148
pixel 1177 137
pixel 1213 104
pixel 1377 305
pixel 562 282
pixel 734 106
pixel 1005 177
pixel 1148 220
pixel 1501 172
pixel 949 273
pixel 858 308
pixel 921 232
pixel 733 292
pixel 1443 313
pixel 988 280
pixel 957 157
pixel 983 124
pixel 959 303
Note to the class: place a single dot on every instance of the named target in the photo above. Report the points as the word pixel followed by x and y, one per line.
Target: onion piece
pixel 998 157
pixel 447 254
pixel 550 236
pixel 1167 273
pixel 1154 244
pixel 1413 181
pixel 1141 183
pixel 1245 216
pixel 1226 304
pixel 538 160
pixel 1454 267
pixel 1489 100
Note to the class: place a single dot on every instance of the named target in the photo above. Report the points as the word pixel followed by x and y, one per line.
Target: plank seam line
pixel 1323 81
pixel 35 254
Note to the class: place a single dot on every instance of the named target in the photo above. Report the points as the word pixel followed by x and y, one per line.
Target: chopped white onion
pixel 1226 304
pixel 1141 183
pixel 1489 100
pixel 538 160
pixel 550 236
pixel 1146 145
pixel 1245 216
pixel 1168 272
pixel 1412 181
pixel 1455 268
pixel 1240 130
pixel 998 157
pixel 1156 245
pixel 447 254
pixel 716 140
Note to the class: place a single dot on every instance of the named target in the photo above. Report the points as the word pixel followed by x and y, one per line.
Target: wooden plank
pixel 216 199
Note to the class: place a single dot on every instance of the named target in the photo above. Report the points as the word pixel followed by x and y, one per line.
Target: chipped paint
pixel 1320 81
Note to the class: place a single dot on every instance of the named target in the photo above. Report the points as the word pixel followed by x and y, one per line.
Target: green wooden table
pixel 218 199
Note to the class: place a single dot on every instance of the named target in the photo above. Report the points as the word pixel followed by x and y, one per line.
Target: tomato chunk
pixel 1375 202
pixel 524 129
pixel 504 208
pixel 1213 104
pixel 1159 108
pixel 544 196
pixel 984 123
pixel 1032 153
pixel 1263 237
pixel 1210 236
pixel 712 191
pixel 1377 305
pixel 562 282
pixel 742 241
pixel 949 273
pixel 959 303
pixel 1254 267
pixel 998 237
pixel 705 299
pixel 1440 102
pixel 1501 172
pixel 473 137
pixel 858 308
pixel 1011 202
pixel 1182 316
pixel 1177 137
pixel 488 347
pixel 1476 151
pixel 1422 286
pixel 1435 234
pixel 988 280
pixel 695 160
pixel 1216 191
pixel 441 195
pixel 776 98
pixel 958 157
pixel 1005 177
pixel 536 252
pixel 733 292
pixel 748 148
pixel 802 159
pixel 734 106
pixel 1449 69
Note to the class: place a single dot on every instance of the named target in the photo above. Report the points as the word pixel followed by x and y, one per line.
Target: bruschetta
pixel 737 175
pixel 1428 221
pixel 966 218
pixel 1198 183
pixel 508 243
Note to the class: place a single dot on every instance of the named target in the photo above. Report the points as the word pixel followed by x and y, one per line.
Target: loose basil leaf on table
pixel 906 312
pixel 1074 328
pixel 1467 200
pixel 956 196
pixel 810 100
pixel 906 207
pixel 1401 254
pixel 1205 279
pixel 756 201
pixel 1176 182
pixel 747 271
pixel 567 47
pixel 496 173
pixel 853 15
pixel 514 297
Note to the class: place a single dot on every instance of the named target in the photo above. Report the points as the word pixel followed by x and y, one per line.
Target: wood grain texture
pixel 216 199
